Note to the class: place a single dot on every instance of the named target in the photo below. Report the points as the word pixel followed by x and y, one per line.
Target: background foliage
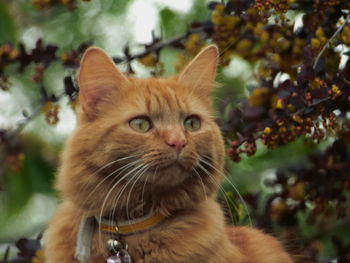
pixel 283 107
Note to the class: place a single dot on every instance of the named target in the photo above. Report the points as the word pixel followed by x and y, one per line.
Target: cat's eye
pixel 192 123
pixel 141 124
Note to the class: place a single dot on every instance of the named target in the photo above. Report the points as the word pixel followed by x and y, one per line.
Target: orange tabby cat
pixel 148 157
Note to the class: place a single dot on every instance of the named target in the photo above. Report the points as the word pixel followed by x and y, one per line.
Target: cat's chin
pixel 169 176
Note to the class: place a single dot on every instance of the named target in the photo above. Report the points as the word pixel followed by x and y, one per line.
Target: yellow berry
pixel 267 130
pixel 315 43
pixel 279 104
pixel 148 60
pixel 264 36
pixel 291 108
pixel 297 191
pixel 282 129
pixel 13 54
pixel 278 207
pixel 65 56
pixel 297 118
pixel 244 44
pixel 216 18
pixel 319 32
pixel 220 8
pixel 258 97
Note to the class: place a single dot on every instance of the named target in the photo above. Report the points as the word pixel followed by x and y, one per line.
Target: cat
pixel 149 153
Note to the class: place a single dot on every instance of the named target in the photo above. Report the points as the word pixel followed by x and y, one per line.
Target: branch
pixel 330 40
pixel 10 136
pixel 158 46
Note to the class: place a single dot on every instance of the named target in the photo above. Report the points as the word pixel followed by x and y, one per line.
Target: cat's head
pixel 155 136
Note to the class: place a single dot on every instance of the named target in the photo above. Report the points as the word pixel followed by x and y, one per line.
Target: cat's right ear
pixel 98 77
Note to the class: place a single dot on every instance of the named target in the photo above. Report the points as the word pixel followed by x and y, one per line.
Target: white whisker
pixel 221 189
pixel 110 191
pixel 234 187
pixel 121 169
pixel 140 168
pixel 132 186
pixel 200 178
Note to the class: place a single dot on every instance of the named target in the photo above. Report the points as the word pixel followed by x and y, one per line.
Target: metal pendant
pixel 114 259
pixel 124 256
pixel 114 246
pixel 119 254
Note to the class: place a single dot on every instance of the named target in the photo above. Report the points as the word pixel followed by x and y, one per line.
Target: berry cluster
pixel 303 103
pixel 41 56
pixel 280 6
pixel 311 184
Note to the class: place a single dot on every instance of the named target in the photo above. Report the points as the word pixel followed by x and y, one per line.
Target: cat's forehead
pixel 162 95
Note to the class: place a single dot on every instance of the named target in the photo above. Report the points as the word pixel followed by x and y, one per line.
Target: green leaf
pixel 7 26
pixel 17 192
pixel 35 176
pixel 171 23
pixel 199 11
pixel 169 57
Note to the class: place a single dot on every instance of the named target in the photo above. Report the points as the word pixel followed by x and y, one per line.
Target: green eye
pixel 141 124
pixel 192 123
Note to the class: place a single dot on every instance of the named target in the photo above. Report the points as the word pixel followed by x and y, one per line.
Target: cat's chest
pixel 163 246
pixel 184 238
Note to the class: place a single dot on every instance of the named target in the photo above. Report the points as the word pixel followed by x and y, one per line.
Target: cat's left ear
pixel 200 73
pixel 98 78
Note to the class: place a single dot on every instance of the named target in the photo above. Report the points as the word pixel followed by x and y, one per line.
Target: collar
pixel 130 227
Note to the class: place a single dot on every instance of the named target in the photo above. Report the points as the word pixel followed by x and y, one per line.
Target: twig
pixel 6 255
pixel 23 123
pixel 313 104
pixel 158 46
pixel 330 40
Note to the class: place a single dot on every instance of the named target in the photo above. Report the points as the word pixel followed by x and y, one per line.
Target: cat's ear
pixel 98 76
pixel 200 73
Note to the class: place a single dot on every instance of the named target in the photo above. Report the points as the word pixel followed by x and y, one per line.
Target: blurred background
pixel 282 106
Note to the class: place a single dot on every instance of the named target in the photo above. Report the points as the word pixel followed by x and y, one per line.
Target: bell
pixel 114 245
pixel 114 259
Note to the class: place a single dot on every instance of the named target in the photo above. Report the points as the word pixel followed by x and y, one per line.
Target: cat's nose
pixel 175 139
pixel 177 144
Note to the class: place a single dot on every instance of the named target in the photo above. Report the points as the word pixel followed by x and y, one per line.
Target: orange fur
pixel 155 178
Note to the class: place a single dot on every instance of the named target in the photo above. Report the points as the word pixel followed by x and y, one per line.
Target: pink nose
pixel 177 145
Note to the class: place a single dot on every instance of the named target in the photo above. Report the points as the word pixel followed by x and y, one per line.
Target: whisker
pixel 200 178
pixel 132 186
pixel 144 186
pixel 111 190
pixel 137 173
pixel 222 190
pixel 116 199
pixel 143 192
pixel 233 186
pixel 121 169
pixel 109 164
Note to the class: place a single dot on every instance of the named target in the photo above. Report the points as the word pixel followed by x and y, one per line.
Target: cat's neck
pixel 98 198
pixel 166 202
